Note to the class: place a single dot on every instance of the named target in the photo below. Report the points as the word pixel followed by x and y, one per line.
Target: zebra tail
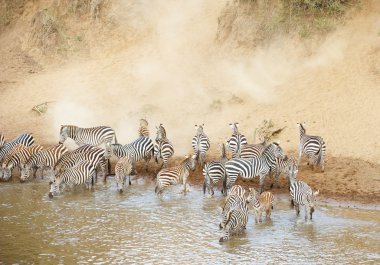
pixel 320 155
pixel 292 202
pixel 115 139
pixel 225 184
pixel 204 187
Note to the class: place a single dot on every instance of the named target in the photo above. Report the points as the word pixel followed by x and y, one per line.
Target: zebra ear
pixel 196 126
pixel 203 125
pixel 231 125
pixel 316 193
pixel 237 124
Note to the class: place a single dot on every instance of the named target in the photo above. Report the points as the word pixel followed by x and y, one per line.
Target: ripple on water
pixel 104 226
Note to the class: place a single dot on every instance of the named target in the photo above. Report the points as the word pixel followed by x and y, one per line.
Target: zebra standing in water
pixel 261 203
pixel 45 159
pixel 173 175
pixel 234 217
pixel 214 171
pixel 19 157
pixel 302 195
pixel 163 148
pixel 236 141
pixel 313 147
pixel 82 171
pixel 250 168
pixel 200 144
pixel 94 136
pixel 24 139
pixel 287 166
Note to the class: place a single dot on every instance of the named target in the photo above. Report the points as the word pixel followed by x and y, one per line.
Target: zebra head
pixel 161 132
pixel 277 150
pixel 25 172
pixel 301 126
pixel 252 195
pixel 54 187
pixel 234 127
pixel 7 172
pixel 190 162
pixel 199 129
pixel 63 134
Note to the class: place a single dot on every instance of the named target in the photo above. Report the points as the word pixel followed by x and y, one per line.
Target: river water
pixel 104 227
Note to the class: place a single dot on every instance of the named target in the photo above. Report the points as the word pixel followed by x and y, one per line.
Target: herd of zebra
pixel 248 161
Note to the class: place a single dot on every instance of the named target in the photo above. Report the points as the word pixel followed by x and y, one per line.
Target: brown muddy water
pixel 105 227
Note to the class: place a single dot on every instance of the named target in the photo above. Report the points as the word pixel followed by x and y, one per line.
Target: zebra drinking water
pixel 215 171
pixel 45 159
pixel 313 147
pixel 162 148
pixel 200 144
pixel 173 175
pixel 123 168
pixel 234 216
pixel 250 168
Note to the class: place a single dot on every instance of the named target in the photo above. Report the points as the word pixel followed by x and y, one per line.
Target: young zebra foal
pixel 123 168
pixel 173 175
pixel 261 203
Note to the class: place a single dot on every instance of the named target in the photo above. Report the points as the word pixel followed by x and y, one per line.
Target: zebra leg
pixel 129 179
pixel 256 216
pixel 147 160
pixel 260 215
pixel 297 206
pixel 155 164
pixel 262 178
pixel 134 172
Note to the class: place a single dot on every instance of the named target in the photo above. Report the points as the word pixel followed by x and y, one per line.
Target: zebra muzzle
pixel 50 194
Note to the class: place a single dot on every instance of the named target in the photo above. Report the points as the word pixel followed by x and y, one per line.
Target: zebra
pixel 235 216
pixel 63 159
pixel 313 147
pixel 24 139
pixel 236 142
pixel 19 157
pixel 236 190
pixel 303 195
pixel 287 166
pixel 45 159
pixel 252 150
pixel 142 148
pixel 163 148
pixel 95 154
pixel 261 203
pixel 215 171
pixel 249 168
pixel 93 136
pixel 173 175
pixel 123 168
pixel 80 173
pixel 200 144
pixel 143 130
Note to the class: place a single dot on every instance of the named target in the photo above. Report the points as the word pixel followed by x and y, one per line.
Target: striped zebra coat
pixel 19 157
pixel 313 147
pixel 142 148
pixel 94 136
pixel 234 217
pixel 200 144
pixel 237 141
pixel 249 151
pixel 81 173
pixel 261 203
pixel 215 171
pixel 45 159
pixel 250 168
pixel 302 195
pixel 173 175
pixel 163 148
